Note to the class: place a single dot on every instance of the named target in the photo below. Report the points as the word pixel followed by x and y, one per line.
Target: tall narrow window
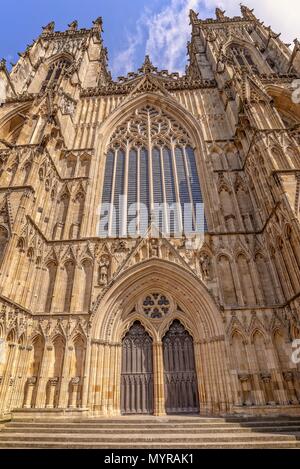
pixel 132 191
pixel 144 215
pixel 154 178
pixel 54 72
pixel 243 57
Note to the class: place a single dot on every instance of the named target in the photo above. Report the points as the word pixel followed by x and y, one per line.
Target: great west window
pixel 151 177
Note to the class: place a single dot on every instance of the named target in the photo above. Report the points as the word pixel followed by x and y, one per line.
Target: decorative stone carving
pixel 67 105
pixel 98 24
pixel 73 26
pixel 11 381
pixel 120 246
pixel 205 265
pixel 265 376
pixel 104 266
pixel 156 305
pixel 49 28
pixel 54 381
pixel 288 376
pixel 154 248
pixel 32 381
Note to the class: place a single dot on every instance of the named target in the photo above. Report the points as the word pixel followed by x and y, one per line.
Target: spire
pixel 193 16
pixel 147 66
pixel 247 13
pixel 220 14
pixel 49 28
pixel 98 24
pixel 73 26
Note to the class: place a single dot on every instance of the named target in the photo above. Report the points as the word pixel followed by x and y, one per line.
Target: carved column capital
pixel 32 381
pixel 54 381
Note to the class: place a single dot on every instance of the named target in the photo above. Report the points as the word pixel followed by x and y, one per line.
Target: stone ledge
pixel 35 414
pixel 269 411
pixel 5 418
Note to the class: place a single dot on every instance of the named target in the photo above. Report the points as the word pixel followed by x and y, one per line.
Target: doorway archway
pixel 137 372
pixel 180 377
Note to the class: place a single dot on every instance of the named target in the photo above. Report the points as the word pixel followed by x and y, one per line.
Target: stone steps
pixel 155 446
pixel 152 425
pixel 154 430
pixel 151 432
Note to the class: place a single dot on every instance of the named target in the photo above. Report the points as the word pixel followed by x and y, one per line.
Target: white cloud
pixel 165 33
pixel 168 33
pixel 123 62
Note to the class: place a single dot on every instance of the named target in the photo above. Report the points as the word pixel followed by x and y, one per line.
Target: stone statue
pixel 247 13
pixel 154 248
pixel 103 270
pixel 49 28
pixel 98 24
pixel 205 265
pixel 193 16
pixel 73 26
pixel 220 14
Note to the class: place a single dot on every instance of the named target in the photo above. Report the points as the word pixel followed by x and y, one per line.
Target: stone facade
pixel 76 309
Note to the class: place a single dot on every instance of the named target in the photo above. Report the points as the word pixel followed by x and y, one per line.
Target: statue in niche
pixel 103 270
pixel 154 248
pixel 67 106
pixel 205 265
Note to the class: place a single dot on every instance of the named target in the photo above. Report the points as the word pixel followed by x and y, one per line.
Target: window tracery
pixel 156 305
pixel 243 58
pixel 150 176
pixel 54 72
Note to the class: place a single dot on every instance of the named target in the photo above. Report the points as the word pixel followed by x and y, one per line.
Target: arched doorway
pixel 180 377
pixel 137 372
pixel 191 304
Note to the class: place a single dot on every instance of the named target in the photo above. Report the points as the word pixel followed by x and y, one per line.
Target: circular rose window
pixel 156 305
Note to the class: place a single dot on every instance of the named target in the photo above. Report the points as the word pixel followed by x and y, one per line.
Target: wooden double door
pixel 180 378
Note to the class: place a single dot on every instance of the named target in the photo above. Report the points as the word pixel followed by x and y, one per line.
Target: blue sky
pixel 133 28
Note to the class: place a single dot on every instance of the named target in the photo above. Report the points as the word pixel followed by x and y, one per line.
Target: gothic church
pixel 108 324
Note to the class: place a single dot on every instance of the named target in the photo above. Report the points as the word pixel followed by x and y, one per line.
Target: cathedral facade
pixel 107 308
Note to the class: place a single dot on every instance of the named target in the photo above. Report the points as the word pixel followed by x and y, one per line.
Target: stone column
pixel 200 375
pixel 21 374
pixel 31 382
pixel 99 352
pixel 64 379
pixel 266 379
pixel 86 377
pixel 43 378
pixel 289 379
pixel 75 383
pixel 10 389
pixel 245 380
pixel 7 376
pixel 158 375
pixel 206 408
pixel 117 381
pixel 53 382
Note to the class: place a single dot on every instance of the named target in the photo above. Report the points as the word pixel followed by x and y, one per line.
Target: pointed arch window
pixel 54 72
pixel 151 176
pixel 243 58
